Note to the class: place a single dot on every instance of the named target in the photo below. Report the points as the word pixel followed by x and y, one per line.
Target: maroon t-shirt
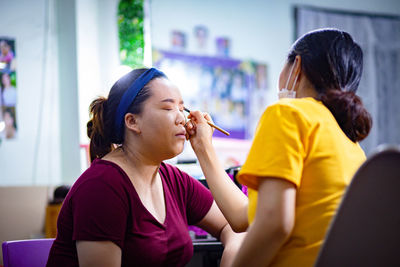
pixel 103 205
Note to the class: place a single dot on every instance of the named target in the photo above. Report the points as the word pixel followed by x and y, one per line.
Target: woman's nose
pixel 181 119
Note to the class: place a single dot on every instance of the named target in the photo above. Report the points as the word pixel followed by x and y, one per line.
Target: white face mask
pixel 286 93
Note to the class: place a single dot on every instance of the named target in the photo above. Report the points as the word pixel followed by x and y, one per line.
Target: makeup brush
pixel 211 124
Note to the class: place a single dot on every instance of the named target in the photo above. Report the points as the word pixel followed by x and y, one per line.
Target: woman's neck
pixel 307 92
pixel 305 88
pixel 135 164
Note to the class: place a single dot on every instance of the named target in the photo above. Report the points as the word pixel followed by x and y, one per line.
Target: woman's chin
pixel 178 150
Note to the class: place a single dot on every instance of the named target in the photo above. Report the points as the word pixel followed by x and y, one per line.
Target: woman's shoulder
pixel 175 178
pixel 186 190
pixel 305 104
pixel 306 109
pixel 102 186
pixel 103 168
pixel 105 174
pixel 172 172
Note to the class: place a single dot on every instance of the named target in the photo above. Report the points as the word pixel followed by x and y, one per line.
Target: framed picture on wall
pixel 230 90
pixel 8 92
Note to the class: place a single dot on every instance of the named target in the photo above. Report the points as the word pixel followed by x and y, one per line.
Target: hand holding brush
pixel 211 124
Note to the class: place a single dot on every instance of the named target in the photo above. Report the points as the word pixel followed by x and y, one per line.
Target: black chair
pixel 366 228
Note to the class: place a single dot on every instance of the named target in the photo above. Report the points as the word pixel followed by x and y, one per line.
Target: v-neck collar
pixel 165 191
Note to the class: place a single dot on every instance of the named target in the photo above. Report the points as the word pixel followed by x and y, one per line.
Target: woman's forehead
pixel 162 88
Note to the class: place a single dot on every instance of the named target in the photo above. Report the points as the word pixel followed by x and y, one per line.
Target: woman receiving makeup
pixel 129 208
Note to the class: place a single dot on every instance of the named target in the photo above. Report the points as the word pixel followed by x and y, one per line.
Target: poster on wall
pixel 231 91
pixel 8 93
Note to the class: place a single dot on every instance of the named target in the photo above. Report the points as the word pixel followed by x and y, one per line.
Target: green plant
pixel 13 79
pixel 130 31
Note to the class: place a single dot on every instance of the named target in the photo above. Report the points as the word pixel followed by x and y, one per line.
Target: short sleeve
pixel 278 147
pixel 99 212
pixel 198 201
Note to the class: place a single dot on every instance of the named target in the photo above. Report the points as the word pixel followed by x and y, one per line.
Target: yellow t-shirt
pixel 300 141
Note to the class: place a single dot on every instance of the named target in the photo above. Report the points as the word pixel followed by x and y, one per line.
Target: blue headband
pixel 130 95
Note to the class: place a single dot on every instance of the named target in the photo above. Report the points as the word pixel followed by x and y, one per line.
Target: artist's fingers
pixel 190 127
pixel 207 117
pixel 197 116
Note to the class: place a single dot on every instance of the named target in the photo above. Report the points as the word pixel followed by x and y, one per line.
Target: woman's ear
pixel 131 123
pixel 297 73
pixel 297 66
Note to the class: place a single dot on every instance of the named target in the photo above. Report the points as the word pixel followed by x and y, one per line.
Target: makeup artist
pixel 304 154
pixel 129 208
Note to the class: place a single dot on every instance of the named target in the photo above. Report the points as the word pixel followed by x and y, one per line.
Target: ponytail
pixel 100 143
pixel 349 112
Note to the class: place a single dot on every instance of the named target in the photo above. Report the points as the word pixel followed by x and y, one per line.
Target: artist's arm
pixel 215 224
pixel 232 202
pixel 273 223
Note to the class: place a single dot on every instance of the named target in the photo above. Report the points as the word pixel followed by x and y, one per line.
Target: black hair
pixel 101 127
pixel 60 193
pixel 333 63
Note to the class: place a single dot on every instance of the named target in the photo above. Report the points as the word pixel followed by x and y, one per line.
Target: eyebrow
pixel 170 100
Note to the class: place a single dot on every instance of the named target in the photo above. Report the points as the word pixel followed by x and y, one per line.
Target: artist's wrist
pixel 204 150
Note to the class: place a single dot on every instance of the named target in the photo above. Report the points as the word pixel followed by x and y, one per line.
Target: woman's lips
pixel 181 134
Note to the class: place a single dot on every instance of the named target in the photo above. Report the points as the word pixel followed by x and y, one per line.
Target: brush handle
pixel 218 128
pixel 212 125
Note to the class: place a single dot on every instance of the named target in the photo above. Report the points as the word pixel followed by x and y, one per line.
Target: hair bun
pixel 350 113
pixel 89 126
pixel 100 144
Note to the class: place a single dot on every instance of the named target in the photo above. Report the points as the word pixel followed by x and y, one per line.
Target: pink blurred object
pixel 198 231
pixel 244 190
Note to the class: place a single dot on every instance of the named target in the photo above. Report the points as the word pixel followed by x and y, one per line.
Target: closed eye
pixel 169 104
pixel 180 108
